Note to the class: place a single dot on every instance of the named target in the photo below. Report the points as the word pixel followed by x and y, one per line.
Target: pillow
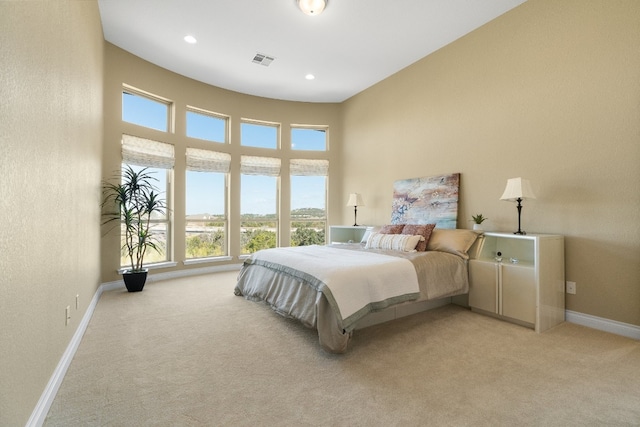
pixel 423 230
pixel 454 241
pixel 368 232
pixel 391 229
pixel 396 242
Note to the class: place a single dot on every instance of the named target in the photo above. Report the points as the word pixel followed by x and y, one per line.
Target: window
pixel 206 125
pixel 308 201
pixel 206 222
pixel 261 135
pixel 209 184
pixel 258 203
pixel 160 226
pixel 309 139
pixel 145 110
pixel 158 158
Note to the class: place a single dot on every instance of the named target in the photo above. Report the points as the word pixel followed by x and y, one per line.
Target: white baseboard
pixel 41 410
pixel 46 399
pixel 602 324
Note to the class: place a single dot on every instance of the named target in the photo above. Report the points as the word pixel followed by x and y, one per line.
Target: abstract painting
pixel 428 200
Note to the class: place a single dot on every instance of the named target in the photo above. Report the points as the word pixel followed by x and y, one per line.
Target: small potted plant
pixel 132 203
pixel 477 221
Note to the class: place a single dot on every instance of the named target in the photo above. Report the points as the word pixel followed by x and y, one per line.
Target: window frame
pixel 225 221
pixel 266 167
pixel 203 112
pixel 323 220
pixel 277 126
pixel 302 171
pixel 150 97
pixel 310 127
pixel 140 131
pixel 168 220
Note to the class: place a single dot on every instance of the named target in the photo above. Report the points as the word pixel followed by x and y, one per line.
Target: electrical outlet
pixel 67 315
pixel 571 288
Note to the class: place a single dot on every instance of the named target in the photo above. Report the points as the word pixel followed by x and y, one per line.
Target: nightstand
pixel 347 233
pixel 526 286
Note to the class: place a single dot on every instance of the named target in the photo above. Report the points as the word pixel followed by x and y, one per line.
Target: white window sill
pixel 206 260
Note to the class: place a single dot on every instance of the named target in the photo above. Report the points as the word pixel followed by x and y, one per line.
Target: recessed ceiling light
pixel 190 39
pixel 309 77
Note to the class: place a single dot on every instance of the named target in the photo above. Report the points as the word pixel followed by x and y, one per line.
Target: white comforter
pixel 358 282
pixel 275 277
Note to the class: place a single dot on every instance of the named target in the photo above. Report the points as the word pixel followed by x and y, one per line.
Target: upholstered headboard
pixel 427 200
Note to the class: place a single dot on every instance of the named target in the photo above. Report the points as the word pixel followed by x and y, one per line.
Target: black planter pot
pixel 134 281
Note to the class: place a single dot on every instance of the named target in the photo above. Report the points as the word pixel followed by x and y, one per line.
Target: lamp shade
pixel 355 199
pixel 312 7
pixel 517 188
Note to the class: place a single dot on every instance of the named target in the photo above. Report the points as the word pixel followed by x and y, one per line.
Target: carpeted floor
pixel 187 352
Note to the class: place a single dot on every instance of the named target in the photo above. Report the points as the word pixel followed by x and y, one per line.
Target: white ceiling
pixel 350 47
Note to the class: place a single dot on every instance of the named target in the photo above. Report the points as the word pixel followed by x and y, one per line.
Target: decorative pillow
pixel 454 241
pixel 396 242
pixel 423 230
pixel 391 229
pixel 368 232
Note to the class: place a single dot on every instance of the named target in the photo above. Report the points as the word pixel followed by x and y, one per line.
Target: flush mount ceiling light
pixel 312 7
pixel 190 39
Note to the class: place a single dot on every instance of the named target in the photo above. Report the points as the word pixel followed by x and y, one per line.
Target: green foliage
pixel 214 224
pixel 478 219
pixel 255 240
pixel 308 213
pixel 205 245
pixel 132 203
pixel 305 236
pixel 318 225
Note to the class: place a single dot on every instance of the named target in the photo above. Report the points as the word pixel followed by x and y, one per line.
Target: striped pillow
pixel 396 242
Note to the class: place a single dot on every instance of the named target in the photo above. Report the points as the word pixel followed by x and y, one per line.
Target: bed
pixel 334 288
pixel 419 257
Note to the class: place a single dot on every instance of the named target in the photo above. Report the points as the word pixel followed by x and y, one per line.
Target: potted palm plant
pixel 131 203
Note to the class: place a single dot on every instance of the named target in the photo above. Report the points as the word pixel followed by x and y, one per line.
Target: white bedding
pixel 277 279
pixel 358 282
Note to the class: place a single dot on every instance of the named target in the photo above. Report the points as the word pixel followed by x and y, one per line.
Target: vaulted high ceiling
pixel 348 48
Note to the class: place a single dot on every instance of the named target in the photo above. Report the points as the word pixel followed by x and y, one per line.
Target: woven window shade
pixel 147 152
pixel 207 161
pixel 251 165
pixel 309 167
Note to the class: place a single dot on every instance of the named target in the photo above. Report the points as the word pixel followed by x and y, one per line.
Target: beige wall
pixel 51 139
pixel 124 68
pixel 550 91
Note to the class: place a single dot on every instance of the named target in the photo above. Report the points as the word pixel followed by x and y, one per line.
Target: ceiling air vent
pixel 263 59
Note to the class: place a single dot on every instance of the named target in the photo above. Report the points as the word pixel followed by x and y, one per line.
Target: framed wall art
pixel 427 200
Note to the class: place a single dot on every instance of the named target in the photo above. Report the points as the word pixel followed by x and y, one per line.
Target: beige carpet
pixel 187 352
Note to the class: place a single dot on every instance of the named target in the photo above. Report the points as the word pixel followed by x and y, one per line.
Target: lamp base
pixel 519 200
pixel 355 216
